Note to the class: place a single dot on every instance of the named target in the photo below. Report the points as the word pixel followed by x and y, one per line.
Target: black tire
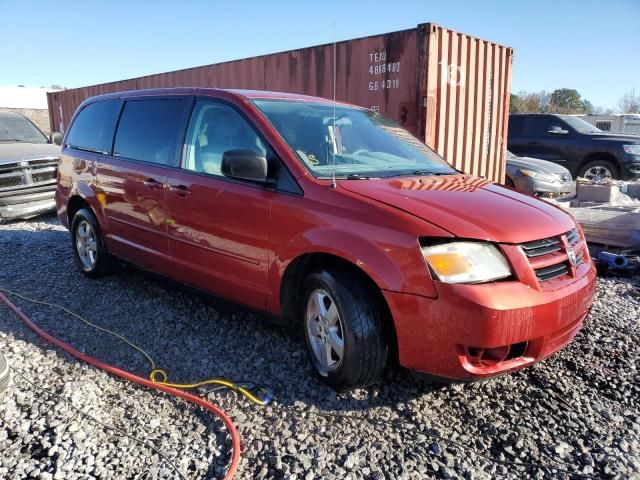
pixel 4 377
pixel 103 263
pixel 365 348
pixel 600 164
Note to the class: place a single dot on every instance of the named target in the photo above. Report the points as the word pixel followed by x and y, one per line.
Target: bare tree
pixel 602 111
pixel 629 102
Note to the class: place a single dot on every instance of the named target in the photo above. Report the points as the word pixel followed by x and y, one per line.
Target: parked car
pixel 330 218
pixel 4 377
pixel 28 161
pixel 583 149
pixel 537 177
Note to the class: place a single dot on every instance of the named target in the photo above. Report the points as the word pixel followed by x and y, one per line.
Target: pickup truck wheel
pixel 342 329
pixel 88 247
pixel 598 170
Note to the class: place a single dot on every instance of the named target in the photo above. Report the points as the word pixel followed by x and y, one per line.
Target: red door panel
pixel 219 235
pixel 133 196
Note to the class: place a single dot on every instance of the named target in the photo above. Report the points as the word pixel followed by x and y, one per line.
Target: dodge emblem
pixel 573 259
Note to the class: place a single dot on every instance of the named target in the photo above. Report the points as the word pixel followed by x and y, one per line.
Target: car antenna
pixel 333 143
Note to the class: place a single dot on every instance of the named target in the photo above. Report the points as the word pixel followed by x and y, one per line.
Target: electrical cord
pixel 233 432
pixel 262 395
pixel 95 420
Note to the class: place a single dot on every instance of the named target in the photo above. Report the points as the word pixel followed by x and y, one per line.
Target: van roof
pixel 239 93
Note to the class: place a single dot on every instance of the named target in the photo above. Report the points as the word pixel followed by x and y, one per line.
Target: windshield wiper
pixel 420 173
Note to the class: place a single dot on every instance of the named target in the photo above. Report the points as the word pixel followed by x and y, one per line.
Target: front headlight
pixel 466 262
pixel 632 149
pixel 544 177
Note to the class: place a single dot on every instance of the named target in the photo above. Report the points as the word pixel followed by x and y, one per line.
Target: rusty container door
pixel 466 86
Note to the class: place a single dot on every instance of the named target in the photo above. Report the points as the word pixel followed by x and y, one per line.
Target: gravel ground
pixel 576 412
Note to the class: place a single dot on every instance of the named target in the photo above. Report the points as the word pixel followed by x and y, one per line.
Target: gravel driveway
pixel 576 412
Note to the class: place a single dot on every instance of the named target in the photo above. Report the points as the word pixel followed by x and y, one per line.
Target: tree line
pixel 568 101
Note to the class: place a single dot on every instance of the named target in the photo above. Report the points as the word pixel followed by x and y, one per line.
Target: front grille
pixel 28 172
pixel 11 180
pixel 43 176
pixel 551 257
pixel 9 167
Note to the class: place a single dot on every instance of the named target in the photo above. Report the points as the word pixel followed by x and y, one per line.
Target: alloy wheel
pixel 597 173
pixel 86 245
pixel 325 331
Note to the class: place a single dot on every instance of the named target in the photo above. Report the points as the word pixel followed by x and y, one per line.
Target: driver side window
pixel 215 128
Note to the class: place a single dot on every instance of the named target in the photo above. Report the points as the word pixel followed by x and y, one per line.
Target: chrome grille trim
pixel 554 271
pixel 540 247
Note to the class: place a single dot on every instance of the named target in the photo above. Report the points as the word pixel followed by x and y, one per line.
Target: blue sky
pixel 593 46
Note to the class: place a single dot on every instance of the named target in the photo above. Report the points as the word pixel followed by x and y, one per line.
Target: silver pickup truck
pixel 28 163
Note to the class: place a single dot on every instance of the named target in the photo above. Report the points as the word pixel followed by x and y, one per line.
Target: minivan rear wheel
pixel 343 329
pixel 88 247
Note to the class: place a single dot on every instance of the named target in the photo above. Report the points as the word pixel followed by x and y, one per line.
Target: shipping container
pixel 449 89
pixel 621 123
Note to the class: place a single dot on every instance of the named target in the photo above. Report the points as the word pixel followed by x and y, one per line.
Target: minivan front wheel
pixel 343 329
pixel 88 248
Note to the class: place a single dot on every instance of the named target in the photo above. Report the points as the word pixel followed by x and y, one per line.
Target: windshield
pixel 19 129
pixel 364 143
pixel 579 125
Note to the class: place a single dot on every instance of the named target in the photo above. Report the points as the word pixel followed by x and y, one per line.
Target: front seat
pixel 222 127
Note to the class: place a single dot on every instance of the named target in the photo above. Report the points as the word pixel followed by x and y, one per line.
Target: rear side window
pixel 540 125
pixel 149 129
pixel 92 130
pixel 516 126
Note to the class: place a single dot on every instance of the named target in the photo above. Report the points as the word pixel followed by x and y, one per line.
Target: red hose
pixel 142 381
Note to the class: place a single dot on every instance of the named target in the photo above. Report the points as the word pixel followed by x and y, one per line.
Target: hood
pixel 23 151
pixel 614 137
pixel 468 207
pixel 536 164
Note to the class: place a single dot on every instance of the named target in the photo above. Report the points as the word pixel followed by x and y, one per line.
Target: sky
pixel 592 46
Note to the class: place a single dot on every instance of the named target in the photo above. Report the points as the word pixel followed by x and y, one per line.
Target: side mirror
pixel 56 138
pixel 555 130
pixel 244 165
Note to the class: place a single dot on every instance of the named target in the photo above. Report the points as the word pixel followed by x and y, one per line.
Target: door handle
pixel 533 143
pixel 181 190
pixel 152 184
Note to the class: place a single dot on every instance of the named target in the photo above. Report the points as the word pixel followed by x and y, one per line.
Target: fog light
pixel 487 357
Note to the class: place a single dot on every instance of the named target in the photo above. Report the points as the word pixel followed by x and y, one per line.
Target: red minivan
pixel 332 219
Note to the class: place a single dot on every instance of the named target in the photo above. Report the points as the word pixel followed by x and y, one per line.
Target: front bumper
pixel 538 187
pixel 631 167
pixel 27 201
pixel 442 337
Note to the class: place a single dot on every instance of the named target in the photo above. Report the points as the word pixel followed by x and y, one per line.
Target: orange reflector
pixel 447 264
